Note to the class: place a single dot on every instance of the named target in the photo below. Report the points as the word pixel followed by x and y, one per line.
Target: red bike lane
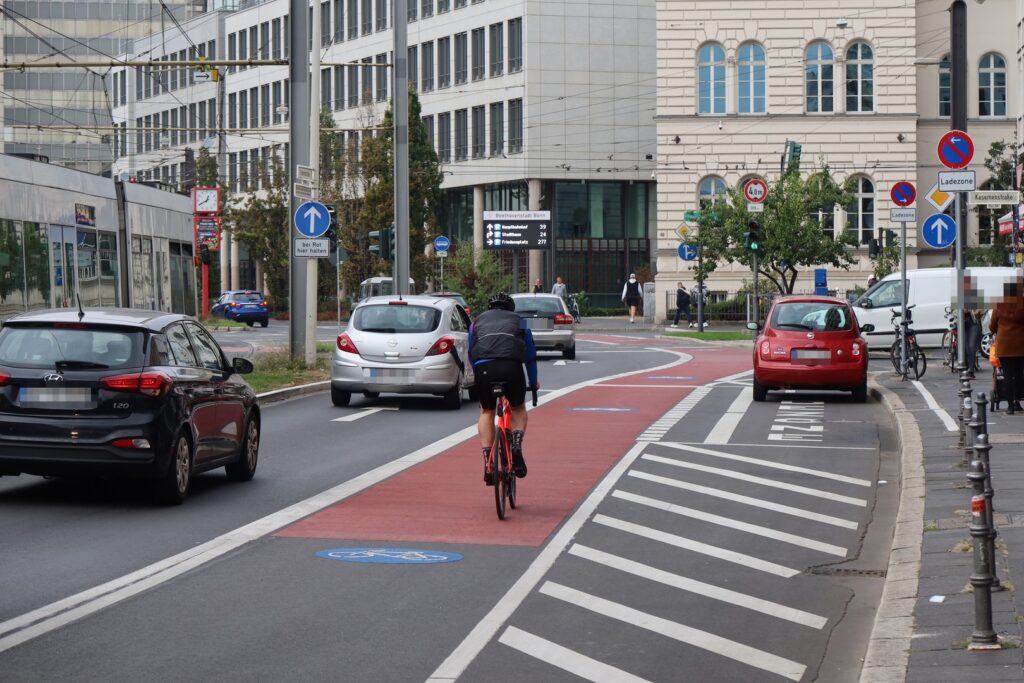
pixel 571 442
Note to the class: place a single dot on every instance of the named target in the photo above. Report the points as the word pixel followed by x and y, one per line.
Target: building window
pixel 442 6
pixel 353 86
pixel 275 39
pixel 461 58
pixel 367 80
pixel 478 54
pixel 818 78
pixel 339 20
pixel 325 88
pixel 353 19
pixel 254 119
pixel 861 213
pixel 232 49
pixel 428 123
pixel 243 109
pixel 515 45
pixel 860 78
pixel 444 62
pixel 497 49
pixel 427 53
pixel 515 126
pixel 382 14
pixel 945 86
pixel 413 68
pixel 339 88
pixel 382 78
pixel 444 137
pixel 325 23
pixel 479 132
pixel 992 86
pixel 254 41
pixel 711 79
pixel 426 8
pixel 286 98
pixel 286 32
pixel 411 10
pixel 367 17
pixel 498 129
pixel 711 190
pixel 751 79
pixel 276 94
pixel 460 3
pixel 461 134
pixel 265 40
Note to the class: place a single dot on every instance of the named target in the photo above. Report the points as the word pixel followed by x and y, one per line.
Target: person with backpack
pixel 682 305
pixel 632 296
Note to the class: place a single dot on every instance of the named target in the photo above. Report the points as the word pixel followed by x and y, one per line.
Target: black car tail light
pixel 155 384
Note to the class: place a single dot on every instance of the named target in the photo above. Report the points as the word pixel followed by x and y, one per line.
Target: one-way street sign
pixel 938 231
pixel 311 219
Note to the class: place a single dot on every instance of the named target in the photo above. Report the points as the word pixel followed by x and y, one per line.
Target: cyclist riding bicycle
pixel 500 343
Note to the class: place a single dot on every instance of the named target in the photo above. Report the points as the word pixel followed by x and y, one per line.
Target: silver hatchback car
pixel 404 345
pixel 553 327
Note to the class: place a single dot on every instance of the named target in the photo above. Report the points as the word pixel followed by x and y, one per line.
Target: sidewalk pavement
pixel 943 604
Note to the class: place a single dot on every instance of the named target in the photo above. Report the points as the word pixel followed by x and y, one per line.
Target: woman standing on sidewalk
pixel 1008 324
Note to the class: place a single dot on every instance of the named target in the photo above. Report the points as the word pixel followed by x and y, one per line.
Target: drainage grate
pixel 840 571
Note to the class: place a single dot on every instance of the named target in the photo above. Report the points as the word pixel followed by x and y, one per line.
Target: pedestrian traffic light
pixel 384 242
pixel 873 248
pixel 332 211
pixel 204 253
pixel 754 236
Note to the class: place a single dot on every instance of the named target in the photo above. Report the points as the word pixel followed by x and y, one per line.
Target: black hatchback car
pixel 123 392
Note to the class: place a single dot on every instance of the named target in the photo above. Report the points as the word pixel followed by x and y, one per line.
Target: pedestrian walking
pixel 1008 324
pixel 682 305
pixel 972 321
pixel 559 288
pixel 538 288
pixel 631 296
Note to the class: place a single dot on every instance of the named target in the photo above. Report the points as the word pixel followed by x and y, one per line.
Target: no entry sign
pixel 956 149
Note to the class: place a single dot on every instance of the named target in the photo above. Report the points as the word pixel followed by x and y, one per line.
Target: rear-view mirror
pixel 242 366
pixel 867 328
pixel 865 303
pixel 753 327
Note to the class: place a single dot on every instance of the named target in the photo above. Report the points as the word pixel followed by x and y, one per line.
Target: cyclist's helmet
pixel 502 300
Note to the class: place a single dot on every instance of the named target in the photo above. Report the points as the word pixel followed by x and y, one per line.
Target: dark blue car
pixel 243 305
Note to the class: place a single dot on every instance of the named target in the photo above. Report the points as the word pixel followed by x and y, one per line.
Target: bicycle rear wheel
pixel 920 362
pixel 948 350
pixel 512 490
pixel 894 355
pixel 500 492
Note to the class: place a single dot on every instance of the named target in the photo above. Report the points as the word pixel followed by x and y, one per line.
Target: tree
pixel 206 169
pixel 792 235
pixel 477 282
pixel 1000 165
pixel 888 260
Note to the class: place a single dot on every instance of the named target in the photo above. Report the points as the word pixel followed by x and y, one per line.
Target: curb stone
pixel 278 395
pixel 888 653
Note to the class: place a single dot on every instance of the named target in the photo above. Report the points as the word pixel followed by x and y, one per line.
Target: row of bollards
pixel 984 579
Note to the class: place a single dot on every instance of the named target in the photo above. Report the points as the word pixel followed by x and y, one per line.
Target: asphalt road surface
pixel 669 528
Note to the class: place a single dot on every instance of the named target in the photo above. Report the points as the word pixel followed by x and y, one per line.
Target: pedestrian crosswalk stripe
pixel 746 500
pixel 562 657
pixel 702 639
pixel 700 588
pixel 741 559
pixel 771 483
pixel 703 516
pixel 766 463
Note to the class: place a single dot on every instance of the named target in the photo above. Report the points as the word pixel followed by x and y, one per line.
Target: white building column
pixel 225 259
pixel 478 220
pixel 235 277
pixel 732 81
pixel 536 267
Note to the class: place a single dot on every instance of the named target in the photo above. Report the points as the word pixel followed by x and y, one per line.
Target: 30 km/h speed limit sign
pixel 755 190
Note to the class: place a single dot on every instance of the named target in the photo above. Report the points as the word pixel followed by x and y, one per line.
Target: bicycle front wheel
pixel 894 355
pixel 948 350
pixel 500 471
pixel 920 362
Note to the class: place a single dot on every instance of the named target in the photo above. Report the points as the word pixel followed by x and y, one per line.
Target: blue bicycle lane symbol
pixel 389 555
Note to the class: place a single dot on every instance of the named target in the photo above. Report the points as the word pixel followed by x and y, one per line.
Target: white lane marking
pixel 700 588
pixel 771 483
pixel 732 378
pixel 767 463
pixel 726 425
pixel 361 414
pixel 787 445
pixel 670 419
pixel 649 386
pixel 57 614
pixel 703 516
pixel 739 652
pixel 746 500
pixel 947 421
pixel 615 351
pixel 741 559
pixel 564 658
pixel 594 341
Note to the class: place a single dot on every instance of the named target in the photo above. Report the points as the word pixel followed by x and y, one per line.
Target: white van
pixel 380 286
pixel 930 291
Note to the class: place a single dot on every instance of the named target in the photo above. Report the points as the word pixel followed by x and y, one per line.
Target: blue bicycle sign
pixel 389 555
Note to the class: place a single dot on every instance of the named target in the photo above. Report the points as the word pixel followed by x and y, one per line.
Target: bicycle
pixel 949 341
pixel 499 462
pixel 916 361
pixel 574 307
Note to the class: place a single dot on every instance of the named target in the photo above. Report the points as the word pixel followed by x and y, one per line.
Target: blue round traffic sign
pixel 687 252
pixel 389 555
pixel 938 231
pixel 311 219
pixel 903 193
pixel 441 243
pixel 956 149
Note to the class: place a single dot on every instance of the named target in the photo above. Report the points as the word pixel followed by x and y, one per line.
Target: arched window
pixel 751 78
pixel 711 79
pixel 710 190
pixel 860 78
pixel 992 86
pixel 818 78
pixel 860 213
pixel 945 86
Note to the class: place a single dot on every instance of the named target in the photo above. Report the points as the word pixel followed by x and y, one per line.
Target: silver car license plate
pixel 812 354
pixel 538 323
pixel 55 398
pixel 387 374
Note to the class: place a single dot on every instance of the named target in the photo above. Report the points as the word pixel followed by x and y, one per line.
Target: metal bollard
pixel 964 391
pixel 982 449
pixel 971 427
pixel 983 637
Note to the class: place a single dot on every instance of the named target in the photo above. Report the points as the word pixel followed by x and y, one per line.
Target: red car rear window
pixel 815 316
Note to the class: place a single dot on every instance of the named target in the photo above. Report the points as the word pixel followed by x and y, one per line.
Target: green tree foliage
pixel 477 282
pixel 888 260
pixel 792 234
pixel 206 169
pixel 1000 164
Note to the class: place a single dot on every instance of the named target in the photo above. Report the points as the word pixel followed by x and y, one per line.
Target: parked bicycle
pixel 499 463
pixel 950 342
pixel 916 362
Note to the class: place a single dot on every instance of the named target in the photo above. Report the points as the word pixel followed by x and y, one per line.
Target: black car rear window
pixel 396 319
pixel 249 297
pixel 70 345
pixel 537 304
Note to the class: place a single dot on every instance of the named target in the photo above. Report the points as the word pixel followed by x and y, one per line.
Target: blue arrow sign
pixel 311 219
pixel 441 243
pixel 938 231
pixel 687 252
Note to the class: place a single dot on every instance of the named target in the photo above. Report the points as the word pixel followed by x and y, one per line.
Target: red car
pixel 811 342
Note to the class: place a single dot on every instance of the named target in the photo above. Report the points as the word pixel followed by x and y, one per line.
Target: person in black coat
pixel 682 305
pixel 632 295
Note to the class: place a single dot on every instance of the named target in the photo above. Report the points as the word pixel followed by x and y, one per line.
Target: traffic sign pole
pixel 903 294
pixel 961 239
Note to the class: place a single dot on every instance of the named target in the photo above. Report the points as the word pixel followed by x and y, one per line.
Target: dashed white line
pixel 739 652
pixel 564 658
pixel 361 414
pixel 726 425
pixel 746 500
pixel 766 463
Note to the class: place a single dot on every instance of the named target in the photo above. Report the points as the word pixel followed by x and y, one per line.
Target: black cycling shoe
pixel 518 464
pixel 488 475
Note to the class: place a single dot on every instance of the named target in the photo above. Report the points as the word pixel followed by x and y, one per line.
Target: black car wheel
pixel 340 398
pixel 172 487
pixel 264 323
pixel 569 352
pixel 760 391
pixel 860 394
pixel 249 323
pixel 453 397
pixel 248 454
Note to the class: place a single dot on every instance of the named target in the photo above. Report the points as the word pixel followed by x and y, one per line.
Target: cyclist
pixel 500 343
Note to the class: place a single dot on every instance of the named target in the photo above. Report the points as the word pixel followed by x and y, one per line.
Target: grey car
pixel 553 327
pixel 404 345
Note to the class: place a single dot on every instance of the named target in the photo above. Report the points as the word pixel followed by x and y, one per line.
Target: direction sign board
pixel 691 217
pixel 517 229
pixel 311 219
pixel 903 193
pixel 202 76
pixel 755 190
pixel 903 215
pixel 995 197
pixel 305 174
pixel 310 248
pixel 939 231
pixel 957 181
pixel 303 191
pixel 956 149
pixel 939 199
pixel 687 252
pixel 441 244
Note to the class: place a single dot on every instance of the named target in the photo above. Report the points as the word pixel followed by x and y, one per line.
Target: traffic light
pixel 390 247
pixel 793 153
pixel 332 230
pixel 873 248
pixel 204 253
pixel 383 243
pixel 754 236
pixel 890 238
